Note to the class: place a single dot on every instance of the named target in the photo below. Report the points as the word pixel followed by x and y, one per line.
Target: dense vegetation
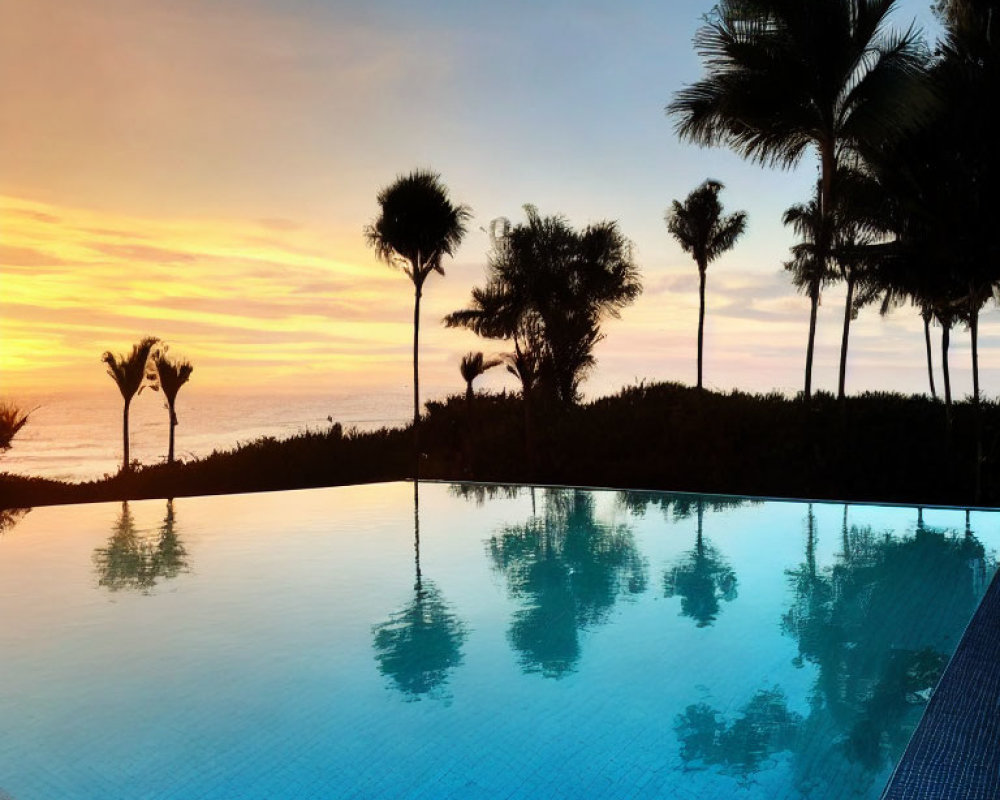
pixel 878 447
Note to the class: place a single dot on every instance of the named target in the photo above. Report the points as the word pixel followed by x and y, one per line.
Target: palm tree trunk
pixel 945 341
pixel 974 333
pixel 701 317
pixel 125 454
pixel 173 424
pixel 843 340
pixel 930 362
pixel 828 166
pixel 416 376
pixel 814 303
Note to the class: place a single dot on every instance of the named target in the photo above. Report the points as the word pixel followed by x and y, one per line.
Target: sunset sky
pixel 202 171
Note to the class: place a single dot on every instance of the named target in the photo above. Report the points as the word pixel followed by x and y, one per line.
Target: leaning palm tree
pixel 173 375
pixel 472 366
pixel 12 419
pixel 703 231
pixel 417 227
pixel 128 372
pixel 785 76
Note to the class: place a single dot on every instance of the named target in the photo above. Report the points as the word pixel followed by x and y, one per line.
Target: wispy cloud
pixel 68 294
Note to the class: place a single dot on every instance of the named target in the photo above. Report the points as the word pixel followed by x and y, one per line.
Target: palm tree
pixel 472 366
pixel 785 76
pixel 861 219
pixel 548 289
pixel 417 227
pixel 12 419
pixel 128 372
pixel 702 230
pixel 810 269
pixel 173 375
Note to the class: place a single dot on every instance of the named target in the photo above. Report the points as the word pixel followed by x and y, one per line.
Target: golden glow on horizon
pixel 288 308
pixel 232 296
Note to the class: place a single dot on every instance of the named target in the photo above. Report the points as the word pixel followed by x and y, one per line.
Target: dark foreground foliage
pixel 876 447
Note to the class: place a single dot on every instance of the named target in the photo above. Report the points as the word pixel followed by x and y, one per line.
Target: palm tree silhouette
pixel 128 372
pixel 12 419
pixel 548 289
pixel 809 267
pixel 785 76
pixel 417 227
pixel 472 366
pixel 173 375
pixel 702 230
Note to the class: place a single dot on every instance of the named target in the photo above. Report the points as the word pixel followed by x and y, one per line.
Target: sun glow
pixel 232 295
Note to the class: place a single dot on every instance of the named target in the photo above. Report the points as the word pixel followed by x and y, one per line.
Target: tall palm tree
pixel 417 227
pixel 785 76
pixel 173 375
pixel 809 267
pixel 861 219
pixel 703 231
pixel 128 372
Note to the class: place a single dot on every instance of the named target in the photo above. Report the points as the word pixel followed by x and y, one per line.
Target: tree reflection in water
pixel 134 561
pixel 701 577
pixel 878 625
pixel 419 645
pixel 9 517
pixel 740 748
pixel 567 570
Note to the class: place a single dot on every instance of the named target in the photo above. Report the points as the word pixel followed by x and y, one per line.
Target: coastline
pixel 873 448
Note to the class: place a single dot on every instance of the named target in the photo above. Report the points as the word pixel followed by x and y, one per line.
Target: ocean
pixel 78 437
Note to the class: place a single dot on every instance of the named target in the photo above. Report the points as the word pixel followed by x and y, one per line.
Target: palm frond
pixel 12 419
pixel 128 371
pixel 173 374
pixel 418 224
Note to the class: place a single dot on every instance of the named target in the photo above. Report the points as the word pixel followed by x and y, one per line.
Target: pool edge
pixel 955 750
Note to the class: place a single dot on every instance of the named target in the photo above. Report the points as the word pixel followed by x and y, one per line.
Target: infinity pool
pixel 483 642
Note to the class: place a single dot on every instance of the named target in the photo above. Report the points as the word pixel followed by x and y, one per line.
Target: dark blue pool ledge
pixel 955 752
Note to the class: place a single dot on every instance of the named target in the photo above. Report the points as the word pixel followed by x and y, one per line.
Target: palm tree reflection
pixel 878 625
pixel 701 578
pixel 567 570
pixel 132 560
pixel 9 517
pixel 739 748
pixel 419 645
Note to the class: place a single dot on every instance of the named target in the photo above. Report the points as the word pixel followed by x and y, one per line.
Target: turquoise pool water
pixel 538 643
